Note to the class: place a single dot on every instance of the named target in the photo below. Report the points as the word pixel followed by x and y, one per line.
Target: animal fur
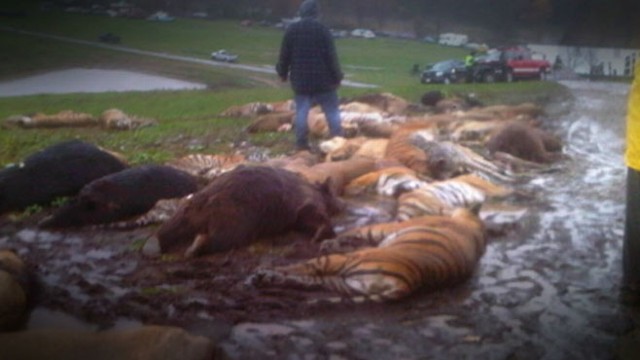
pixel 56 171
pixel 401 148
pixel 359 107
pixel 110 119
pixel 123 195
pixel 246 204
pixel 270 122
pixel 340 148
pixel 66 118
pixel 524 110
pixel 162 211
pixel 431 98
pixel 437 252
pixel 447 159
pixel 336 173
pixel 444 196
pixel 376 129
pixel 389 181
pixel 140 343
pixel 207 167
pixel 247 110
pixel 522 141
pixel 17 291
pixel 116 119
pixel 386 102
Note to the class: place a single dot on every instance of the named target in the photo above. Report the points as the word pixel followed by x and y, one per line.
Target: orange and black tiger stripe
pixel 440 252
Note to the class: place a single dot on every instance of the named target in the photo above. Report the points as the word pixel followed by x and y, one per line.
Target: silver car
pixel 224 55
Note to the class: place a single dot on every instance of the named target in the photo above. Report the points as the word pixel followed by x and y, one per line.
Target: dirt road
pixel 267 69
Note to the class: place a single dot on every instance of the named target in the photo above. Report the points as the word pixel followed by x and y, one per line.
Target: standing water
pixel 555 288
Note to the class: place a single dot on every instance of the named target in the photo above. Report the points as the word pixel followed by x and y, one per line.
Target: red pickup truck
pixel 509 64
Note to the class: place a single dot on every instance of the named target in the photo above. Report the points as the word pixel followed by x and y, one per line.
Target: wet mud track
pixel 548 289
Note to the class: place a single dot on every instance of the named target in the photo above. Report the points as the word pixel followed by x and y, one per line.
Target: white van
pixel 452 39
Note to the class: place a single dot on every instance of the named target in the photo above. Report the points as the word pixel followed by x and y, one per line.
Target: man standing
pixel 631 246
pixel 469 62
pixel 308 58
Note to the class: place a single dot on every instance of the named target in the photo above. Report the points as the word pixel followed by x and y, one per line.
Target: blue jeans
pixel 328 101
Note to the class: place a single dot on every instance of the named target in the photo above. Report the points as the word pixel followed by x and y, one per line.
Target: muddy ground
pixel 546 288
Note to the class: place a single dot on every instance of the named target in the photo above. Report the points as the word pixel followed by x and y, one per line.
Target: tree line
pixel 574 22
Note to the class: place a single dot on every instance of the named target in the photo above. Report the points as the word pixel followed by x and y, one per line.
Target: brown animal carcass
pixel 65 118
pixel 524 110
pixel 525 142
pixel 386 102
pixel 116 119
pixel 270 122
pixel 140 342
pixel 246 204
pixel 17 290
pixel 247 110
pixel 336 174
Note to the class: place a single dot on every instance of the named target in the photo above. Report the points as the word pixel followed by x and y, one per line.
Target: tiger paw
pixel 330 246
pixel 340 245
pixel 264 277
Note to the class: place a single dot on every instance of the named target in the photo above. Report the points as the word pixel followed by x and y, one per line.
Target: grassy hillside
pixel 188 119
pixel 380 61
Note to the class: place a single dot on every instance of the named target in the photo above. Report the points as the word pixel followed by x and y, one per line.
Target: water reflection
pixel 91 81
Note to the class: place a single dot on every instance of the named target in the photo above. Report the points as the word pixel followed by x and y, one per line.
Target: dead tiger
pixel 449 159
pixel 442 197
pixel 438 252
pixel 389 181
pixel 207 167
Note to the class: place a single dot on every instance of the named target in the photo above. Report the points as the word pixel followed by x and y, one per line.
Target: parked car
pixel 339 34
pixel 363 33
pixel 160 16
pixel 510 64
pixel 445 72
pixel 109 38
pixel 224 55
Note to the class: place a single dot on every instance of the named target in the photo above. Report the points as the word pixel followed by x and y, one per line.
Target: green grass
pixel 392 59
pixel 31 55
pixel 182 115
pixel 188 120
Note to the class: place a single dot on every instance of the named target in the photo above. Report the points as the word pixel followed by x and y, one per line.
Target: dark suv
pixel 509 64
pixel 445 72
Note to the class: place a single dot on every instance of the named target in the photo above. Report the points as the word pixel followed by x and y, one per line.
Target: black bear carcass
pixel 56 171
pixel 123 195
